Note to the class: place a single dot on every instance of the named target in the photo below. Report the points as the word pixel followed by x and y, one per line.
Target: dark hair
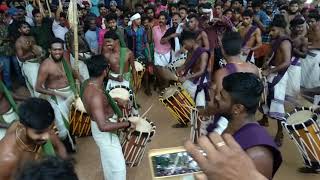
pixel 35 11
pixel 101 5
pixel 218 4
pixel 50 168
pixel 180 8
pixel 145 17
pixel 163 13
pixel 173 5
pixel 187 35
pixel 23 23
pixel 293 2
pixel 206 6
pixel 63 14
pixel 231 43
pixel 21 8
pixel 138 5
pixel 247 13
pixel 96 65
pixel 314 14
pixel 193 16
pixel 279 21
pixel 111 16
pixel 36 113
pixel 150 7
pixel 226 11
pixel 240 1
pixel 283 7
pixel 245 89
pixel 256 3
pixel 111 35
pixel 56 40
pixel 192 11
pixel 175 14
pixel 297 21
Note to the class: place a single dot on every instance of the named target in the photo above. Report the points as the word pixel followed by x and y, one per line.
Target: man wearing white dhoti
pixel 29 55
pixel 104 125
pixel 55 80
pixel 276 73
pixel 300 47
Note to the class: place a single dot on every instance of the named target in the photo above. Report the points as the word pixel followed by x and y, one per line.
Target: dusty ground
pixel 88 160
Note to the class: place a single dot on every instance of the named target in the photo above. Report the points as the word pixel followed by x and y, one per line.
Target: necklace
pixel 25 147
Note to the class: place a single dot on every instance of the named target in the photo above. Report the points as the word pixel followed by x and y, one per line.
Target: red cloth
pixel 4 7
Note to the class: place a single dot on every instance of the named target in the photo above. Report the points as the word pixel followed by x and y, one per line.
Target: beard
pixel 57 59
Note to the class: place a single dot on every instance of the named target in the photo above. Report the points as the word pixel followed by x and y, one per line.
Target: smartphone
pixel 172 162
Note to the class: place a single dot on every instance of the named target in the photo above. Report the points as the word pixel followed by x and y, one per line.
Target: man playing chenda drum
pixel 121 61
pixel 275 70
pixel 103 122
pixel 194 74
pixel 53 81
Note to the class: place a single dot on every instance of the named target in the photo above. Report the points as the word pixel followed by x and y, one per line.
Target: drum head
pixel 138 66
pixel 179 63
pixel 79 105
pixel 142 125
pixel 120 93
pixel 299 117
pixel 170 91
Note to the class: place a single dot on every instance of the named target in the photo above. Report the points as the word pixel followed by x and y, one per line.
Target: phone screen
pixel 174 164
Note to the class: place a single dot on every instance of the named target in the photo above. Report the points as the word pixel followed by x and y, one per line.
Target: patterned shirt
pixel 5 49
pixel 136 41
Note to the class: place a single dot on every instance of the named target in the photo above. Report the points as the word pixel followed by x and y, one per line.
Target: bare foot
pixel 264 121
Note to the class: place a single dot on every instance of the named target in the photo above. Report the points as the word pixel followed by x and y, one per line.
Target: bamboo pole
pixel 75 34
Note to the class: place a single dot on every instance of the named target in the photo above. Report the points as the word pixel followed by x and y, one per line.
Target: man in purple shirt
pixel 238 102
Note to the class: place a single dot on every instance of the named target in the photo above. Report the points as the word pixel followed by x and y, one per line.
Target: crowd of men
pixel 233 50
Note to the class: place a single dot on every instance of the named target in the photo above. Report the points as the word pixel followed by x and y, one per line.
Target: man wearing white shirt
pixel 59 28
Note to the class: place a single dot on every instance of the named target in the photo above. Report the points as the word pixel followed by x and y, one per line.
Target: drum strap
pixel 123 52
pixel 69 75
pixel 8 96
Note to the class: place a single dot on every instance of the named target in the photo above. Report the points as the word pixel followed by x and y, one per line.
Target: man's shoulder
pixel 7 146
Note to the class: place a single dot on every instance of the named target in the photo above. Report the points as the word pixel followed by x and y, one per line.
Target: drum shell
pixel 134 145
pixel 307 138
pixel 80 123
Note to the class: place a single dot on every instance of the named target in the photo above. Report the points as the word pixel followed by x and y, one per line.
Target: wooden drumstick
pixel 145 113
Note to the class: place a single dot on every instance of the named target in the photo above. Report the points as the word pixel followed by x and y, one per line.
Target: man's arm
pixel 58 146
pixel 167 37
pixel 102 121
pixel 205 40
pixel 263 160
pixel 285 49
pixel 203 65
pixel 133 67
pixel 258 40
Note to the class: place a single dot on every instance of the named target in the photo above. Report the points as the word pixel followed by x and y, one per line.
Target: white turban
pixel 208 11
pixel 134 17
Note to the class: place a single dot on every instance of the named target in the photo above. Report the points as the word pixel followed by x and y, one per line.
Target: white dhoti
pixel 162 59
pixel 294 78
pixel 29 70
pixel 126 81
pixel 83 69
pixel 112 160
pixel 61 107
pixel 276 95
pixel 310 70
pixel 7 118
pixel 200 100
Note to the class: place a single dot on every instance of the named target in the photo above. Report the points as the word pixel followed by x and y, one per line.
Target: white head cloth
pixel 208 11
pixel 134 17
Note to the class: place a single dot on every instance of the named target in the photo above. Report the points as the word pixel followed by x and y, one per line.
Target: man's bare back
pixel 27 49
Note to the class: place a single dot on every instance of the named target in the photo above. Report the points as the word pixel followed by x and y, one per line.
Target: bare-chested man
pixel 310 69
pixel 53 82
pixel 251 36
pixel 194 74
pixel 103 124
pixel 29 55
pixel 201 35
pixel 275 70
pixel 300 49
pixel 22 143
pixel 121 61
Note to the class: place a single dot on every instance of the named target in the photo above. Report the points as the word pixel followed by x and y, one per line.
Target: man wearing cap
pixel 137 42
